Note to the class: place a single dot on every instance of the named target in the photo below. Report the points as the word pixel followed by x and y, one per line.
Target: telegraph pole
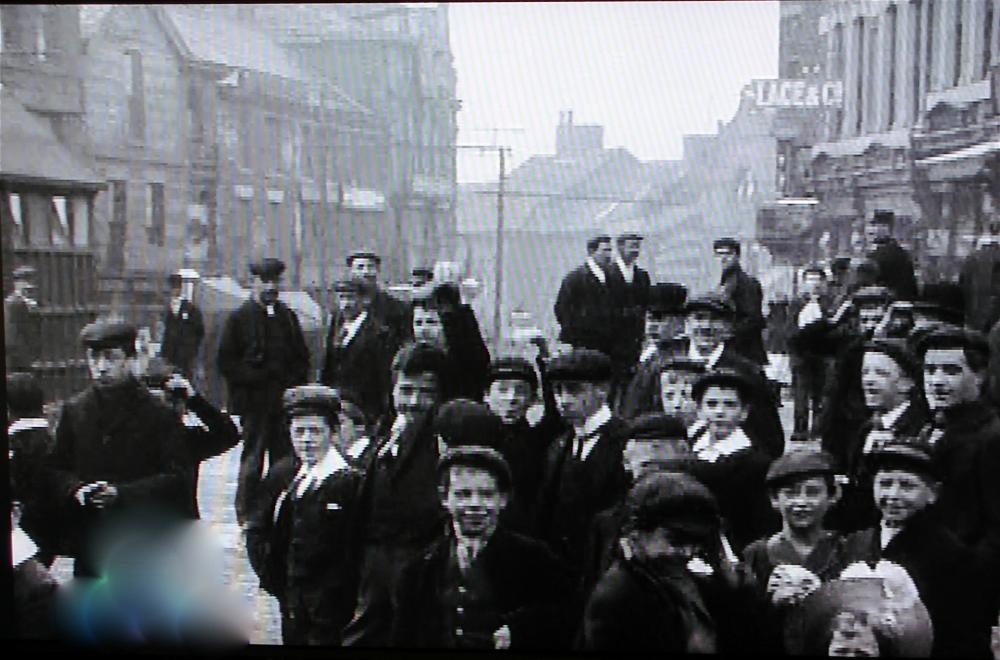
pixel 498 283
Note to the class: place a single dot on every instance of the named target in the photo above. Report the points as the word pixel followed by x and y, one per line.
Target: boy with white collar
pixel 302 539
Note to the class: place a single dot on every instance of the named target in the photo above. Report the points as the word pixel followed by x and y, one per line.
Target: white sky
pixel 650 72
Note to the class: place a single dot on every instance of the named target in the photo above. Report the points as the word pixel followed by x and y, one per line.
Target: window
pixel 195 112
pixel 136 98
pixel 959 36
pixel 116 228
pixel 81 221
pixel 891 39
pixel 246 133
pixel 15 207
pixel 987 37
pixel 929 49
pixel 918 9
pixel 156 216
pixel 871 63
pixel 59 225
pixel 859 68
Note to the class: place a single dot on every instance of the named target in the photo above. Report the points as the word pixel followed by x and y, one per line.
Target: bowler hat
pixel 667 298
pixel 656 426
pixel 726 244
pixel 728 378
pixel 465 422
pixel 363 254
pixel 268 269
pixel 109 334
pixel 630 235
pixel 872 295
pixel 883 217
pixel 580 364
pixel 798 465
pixel 422 272
pixel 311 400
pixel 943 301
pixel 419 357
pixel 711 302
pixel 683 364
pixel 175 279
pixel 595 241
pixel 672 500
pixel 513 368
pixel 899 352
pixel 484 458
pixel 944 336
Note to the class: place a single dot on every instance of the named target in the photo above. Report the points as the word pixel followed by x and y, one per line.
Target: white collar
pixel 175 305
pixel 706 450
pixel 596 270
pixel 331 462
pixel 696 428
pixel 353 327
pixel 595 421
pixel 711 359
pixel 648 352
pixel 890 418
pixel 27 424
pixel 886 534
pixel 628 271
pixel 358 447
pixel 22 547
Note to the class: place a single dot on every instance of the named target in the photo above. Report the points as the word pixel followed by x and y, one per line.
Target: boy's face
pixel 722 409
pixel 663 544
pixel 365 269
pixel 675 395
pixel 869 317
pixel 311 437
pixel 415 394
pixel 509 399
pixel 629 249
pixel 602 255
pixel 813 284
pixel 656 327
pixel 899 494
pixel 803 503
pixel 948 380
pixel 109 366
pixel 884 384
pixel 578 400
pixel 727 258
pixel 646 456
pixel 474 500
pixel 427 327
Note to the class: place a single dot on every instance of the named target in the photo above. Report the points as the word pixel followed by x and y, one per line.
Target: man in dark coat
pixel 672 591
pixel 262 352
pixel 478 585
pixel 359 351
pixel 22 328
pixel 586 306
pixel 183 329
pixel 302 536
pixel 400 506
pixel 895 266
pixel 364 266
pixel 118 450
pixel 980 281
pixel 747 298
pixel 632 285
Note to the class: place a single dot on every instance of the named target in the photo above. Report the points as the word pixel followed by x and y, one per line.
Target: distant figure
pixel 183 329
pixel 633 284
pixel 895 266
pixel 746 296
pixel 585 306
pixel 21 322
pixel 809 369
pixel 980 280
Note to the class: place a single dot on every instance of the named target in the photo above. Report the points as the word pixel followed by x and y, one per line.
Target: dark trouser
pixel 808 377
pixel 380 570
pixel 264 430
pixel 310 617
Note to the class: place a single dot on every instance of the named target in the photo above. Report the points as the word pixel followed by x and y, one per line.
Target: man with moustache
pixel 364 266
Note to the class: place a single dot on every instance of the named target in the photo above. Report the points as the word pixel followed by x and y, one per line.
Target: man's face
pixel 707 330
pixel 876 233
pixel 884 384
pixel 656 328
pixel 813 284
pixel 509 399
pixel 803 503
pixel 578 400
pixel 722 409
pixel 675 395
pixel 602 255
pixel 665 545
pixel 109 366
pixel 266 290
pixel 646 456
pixel 365 269
pixel 899 494
pixel 869 317
pixel 427 327
pixel 311 437
pixel 727 258
pixel 175 291
pixel 474 500
pixel 412 395
pixel 349 304
pixel 629 250
pixel 948 380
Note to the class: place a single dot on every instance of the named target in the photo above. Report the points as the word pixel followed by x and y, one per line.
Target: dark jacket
pixel 30 443
pixel 603 544
pixel 22 333
pixel 526 449
pixel 587 312
pixel 394 314
pixel 634 298
pixel 363 366
pixel 895 269
pixel 260 356
pixel 468 356
pixel 524 585
pixel 980 281
pixel 745 293
pixel 123 436
pixel 946 579
pixel 182 336
pixel 214 436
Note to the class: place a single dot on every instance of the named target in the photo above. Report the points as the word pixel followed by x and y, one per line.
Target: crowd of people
pixel 630 489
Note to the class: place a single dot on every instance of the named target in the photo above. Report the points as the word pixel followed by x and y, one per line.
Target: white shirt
pixel 270 310
pixel 22 548
pixel 647 353
pixel 888 420
pixel 392 446
pixel 810 313
pixel 596 270
pixel 331 462
pixel 27 424
pixel 175 305
pixel 590 428
pixel 712 358
pixel 707 450
pixel 696 428
pixel 353 327
pixel 628 271
pixel 886 534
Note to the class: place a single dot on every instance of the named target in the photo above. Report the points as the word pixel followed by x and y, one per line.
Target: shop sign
pixel 785 93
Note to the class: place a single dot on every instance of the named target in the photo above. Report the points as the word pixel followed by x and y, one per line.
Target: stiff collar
pixel 331 462
pixel 27 424
pixel 594 422
pixel 353 327
pixel 627 271
pixel 706 450
pixel 597 270
pixel 711 359
pixel 890 418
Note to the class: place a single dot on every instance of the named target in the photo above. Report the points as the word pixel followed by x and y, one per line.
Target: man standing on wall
pixel 746 296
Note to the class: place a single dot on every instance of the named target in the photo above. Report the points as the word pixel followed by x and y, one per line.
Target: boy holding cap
pixel 302 536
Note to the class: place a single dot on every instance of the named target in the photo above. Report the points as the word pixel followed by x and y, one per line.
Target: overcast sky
pixel 650 72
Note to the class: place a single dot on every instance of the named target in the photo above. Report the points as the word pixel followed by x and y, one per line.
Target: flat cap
pixel 899 352
pixel 513 368
pixel 684 364
pixel 311 400
pixel 943 301
pixel 673 500
pixel 729 378
pixel 268 269
pixel 363 253
pixel 883 217
pixel 463 422
pixel 484 458
pixel 347 286
pixel 872 295
pixel 596 240
pixel 656 426
pixel 948 336
pixel 726 244
pixel 711 302
pixel 580 364
pixel 667 298
pixel 23 272
pixel 798 465
pixel 910 454
pixel 420 357
pixel 422 272
pixel 630 235
pixel 840 262
pixel 109 334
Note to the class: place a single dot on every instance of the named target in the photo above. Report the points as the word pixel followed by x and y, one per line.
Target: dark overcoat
pixel 22 333
pixel 182 336
pixel 747 297
pixel 633 299
pixel 895 269
pixel 588 313
pixel 468 356
pixel 980 281
pixel 363 366
pixel 214 436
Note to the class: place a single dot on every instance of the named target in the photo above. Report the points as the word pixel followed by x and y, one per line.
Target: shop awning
pixel 961 163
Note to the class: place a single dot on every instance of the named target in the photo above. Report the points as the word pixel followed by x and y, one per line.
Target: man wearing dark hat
pixel 895 266
pixel 479 585
pixel 359 350
pixel 118 450
pixel 672 590
pixel 943 569
pixel 633 285
pixel 586 307
pixel 183 329
pixel 22 325
pixel 980 281
pixel 939 302
pixel 262 352
pixel 747 298
pixel 401 510
pixel 420 277
pixel 302 538
pixel 809 369
pixel 364 266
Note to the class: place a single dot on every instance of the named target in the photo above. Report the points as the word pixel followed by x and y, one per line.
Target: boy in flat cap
pixel 359 350
pixel 747 298
pixel 118 449
pixel 671 590
pixel 401 510
pixel 895 266
pixel 479 585
pixel 302 537
pixel 183 328
pixel 943 569
pixel 364 266
pixel 21 322
pixel 262 352
pixel 727 462
pixel 586 306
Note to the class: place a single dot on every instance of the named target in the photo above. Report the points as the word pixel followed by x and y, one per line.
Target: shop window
pixel 59 222
pixel 156 215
